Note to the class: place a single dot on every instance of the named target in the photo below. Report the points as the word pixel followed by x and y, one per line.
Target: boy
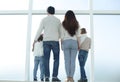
pixel 38 58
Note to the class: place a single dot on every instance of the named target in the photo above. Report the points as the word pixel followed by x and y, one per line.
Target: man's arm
pixel 39 31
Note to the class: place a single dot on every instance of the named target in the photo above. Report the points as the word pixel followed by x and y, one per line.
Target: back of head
pixel 51 10
pixel 70 23
pixel 70 15
pixel 83 31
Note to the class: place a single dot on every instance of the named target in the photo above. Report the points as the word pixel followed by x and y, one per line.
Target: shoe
pixel 56 80
pixel 42 79
pixel 46 79
pixel 81 80
pixel 35 79
pixel 67 80
pixel 85 80
pixel 71 79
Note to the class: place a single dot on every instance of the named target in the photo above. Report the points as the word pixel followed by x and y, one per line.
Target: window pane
pixel 106 4
pixel 14 4
pixel 12 47
pixel 61 4
pixel 107 51
pixel 84 22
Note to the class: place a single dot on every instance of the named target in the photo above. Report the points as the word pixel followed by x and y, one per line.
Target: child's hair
pixel 83 31
pixel 40 37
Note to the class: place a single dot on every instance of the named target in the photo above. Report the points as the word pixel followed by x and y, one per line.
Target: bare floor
pixel 36 81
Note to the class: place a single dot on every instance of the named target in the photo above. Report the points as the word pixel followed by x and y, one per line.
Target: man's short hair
pixel 51 10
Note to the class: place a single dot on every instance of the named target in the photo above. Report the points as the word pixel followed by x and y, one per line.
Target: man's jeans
pixel 38 60
pixel 48 46
pixel 82 57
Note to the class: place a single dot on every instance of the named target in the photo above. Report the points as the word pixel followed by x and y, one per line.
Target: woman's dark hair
pixel 51 10
pixel 40 37
pixel 83 31
pixel 70 23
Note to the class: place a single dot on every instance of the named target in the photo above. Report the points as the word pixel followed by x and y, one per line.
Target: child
pixel 85 44
pixel 38 58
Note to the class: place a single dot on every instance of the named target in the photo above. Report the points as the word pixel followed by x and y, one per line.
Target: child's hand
pixel 33 45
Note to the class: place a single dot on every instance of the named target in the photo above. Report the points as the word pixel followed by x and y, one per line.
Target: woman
pixel 69 40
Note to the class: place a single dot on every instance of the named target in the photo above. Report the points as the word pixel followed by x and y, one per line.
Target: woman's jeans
pixel 70 48
pixel 54 46
pixel 82 57
pixel 38 60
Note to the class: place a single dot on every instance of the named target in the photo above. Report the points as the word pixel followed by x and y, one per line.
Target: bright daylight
pixel 19 23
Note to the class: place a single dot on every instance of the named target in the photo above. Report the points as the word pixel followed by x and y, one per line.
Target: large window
pixel 18 26
pixel 12 47
pixel 61 4
pixel 106 4
pixel 14 4
pixel 106 47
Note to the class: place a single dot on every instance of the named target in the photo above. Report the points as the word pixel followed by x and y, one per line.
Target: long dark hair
pixel 70 23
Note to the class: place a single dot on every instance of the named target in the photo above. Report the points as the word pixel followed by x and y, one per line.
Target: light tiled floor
pixel 35 81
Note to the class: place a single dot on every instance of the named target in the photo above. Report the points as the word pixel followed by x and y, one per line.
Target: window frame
pixel 31 12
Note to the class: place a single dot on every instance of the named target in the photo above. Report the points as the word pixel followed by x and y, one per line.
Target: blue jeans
pixel 54 46
pixel 82 57
pixel 38 60
pixel 70 48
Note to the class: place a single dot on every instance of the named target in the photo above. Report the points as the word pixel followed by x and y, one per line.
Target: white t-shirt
pixel 82 38
pixel 38 49
pixel 51 27
pixel 65 35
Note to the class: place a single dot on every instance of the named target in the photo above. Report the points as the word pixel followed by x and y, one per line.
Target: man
pixel 51 27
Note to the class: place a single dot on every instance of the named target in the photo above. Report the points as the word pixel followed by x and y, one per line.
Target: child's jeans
pixel 82 57
pixel 38 61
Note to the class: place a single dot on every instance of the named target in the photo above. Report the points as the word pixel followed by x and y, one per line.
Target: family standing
pixel 72 41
